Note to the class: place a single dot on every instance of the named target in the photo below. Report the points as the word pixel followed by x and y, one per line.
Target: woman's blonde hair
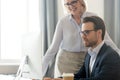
pixel 83 4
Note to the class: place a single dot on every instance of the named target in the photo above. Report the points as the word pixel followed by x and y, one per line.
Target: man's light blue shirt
pixel 93 53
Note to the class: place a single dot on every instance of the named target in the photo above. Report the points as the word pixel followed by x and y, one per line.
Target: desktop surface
pixel 10 77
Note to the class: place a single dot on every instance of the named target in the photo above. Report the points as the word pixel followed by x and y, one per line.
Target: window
pixel 17 18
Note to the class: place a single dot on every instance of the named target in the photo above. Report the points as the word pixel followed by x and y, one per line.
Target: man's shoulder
pixel 109 52
pixel 108 48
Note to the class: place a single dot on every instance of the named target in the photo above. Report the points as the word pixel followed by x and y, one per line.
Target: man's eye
pixel 86 32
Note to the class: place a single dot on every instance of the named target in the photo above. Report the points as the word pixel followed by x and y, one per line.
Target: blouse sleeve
pixel 53 49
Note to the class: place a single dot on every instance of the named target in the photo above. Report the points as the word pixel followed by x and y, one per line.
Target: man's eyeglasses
pixel 86 32
pixel 71 3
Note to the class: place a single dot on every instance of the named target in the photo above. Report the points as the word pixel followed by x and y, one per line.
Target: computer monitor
pixel 32 48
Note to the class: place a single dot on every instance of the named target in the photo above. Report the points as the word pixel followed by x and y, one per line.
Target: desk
pixel 8 77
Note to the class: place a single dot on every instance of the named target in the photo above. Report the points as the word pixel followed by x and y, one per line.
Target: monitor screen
pixel 32 47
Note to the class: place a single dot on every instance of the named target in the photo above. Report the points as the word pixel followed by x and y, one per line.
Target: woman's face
pixel 74 7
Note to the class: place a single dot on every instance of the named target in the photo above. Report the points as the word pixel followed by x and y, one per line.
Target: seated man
pixel 101 61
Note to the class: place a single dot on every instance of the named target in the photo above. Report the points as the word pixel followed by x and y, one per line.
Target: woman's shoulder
pixel 64 18
pixel 87 14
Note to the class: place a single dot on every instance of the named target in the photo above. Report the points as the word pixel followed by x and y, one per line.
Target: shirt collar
pixel 96 50
pixel 83 15
pixel 71 18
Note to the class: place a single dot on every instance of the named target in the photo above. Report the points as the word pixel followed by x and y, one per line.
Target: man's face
pixel 89 35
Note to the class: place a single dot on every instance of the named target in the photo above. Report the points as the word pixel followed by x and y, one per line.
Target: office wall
pixel 96 6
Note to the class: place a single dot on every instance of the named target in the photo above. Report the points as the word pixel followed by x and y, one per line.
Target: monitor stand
pixel 21 67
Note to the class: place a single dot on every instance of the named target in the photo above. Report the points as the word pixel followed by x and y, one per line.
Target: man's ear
pixel 100 32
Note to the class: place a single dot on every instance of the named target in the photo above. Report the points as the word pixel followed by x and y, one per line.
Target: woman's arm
pixel 109 42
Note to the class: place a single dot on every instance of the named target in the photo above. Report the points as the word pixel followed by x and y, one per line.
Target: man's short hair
pixel 98 23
